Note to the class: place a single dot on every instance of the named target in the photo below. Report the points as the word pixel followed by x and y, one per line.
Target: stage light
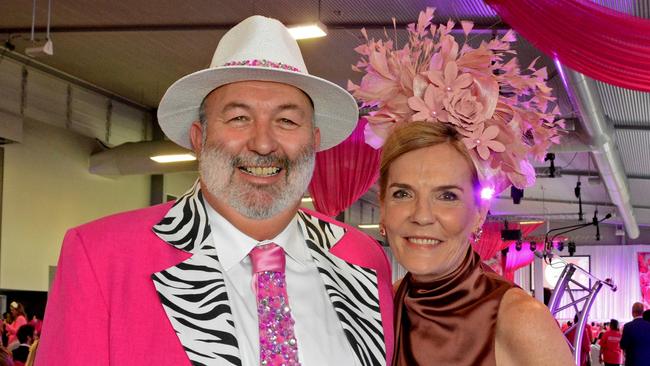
pixel 551 169
pixel 571 248
pixel 533 246
pixel 516 195
pixel 578 195
pixel 487 193
pixel 518 245
pixel 507 234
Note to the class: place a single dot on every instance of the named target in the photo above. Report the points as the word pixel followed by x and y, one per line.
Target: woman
pixel 449 310
pixel 610 345
pixel 20 319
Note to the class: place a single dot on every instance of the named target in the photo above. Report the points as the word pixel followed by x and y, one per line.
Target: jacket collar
pixel 194 296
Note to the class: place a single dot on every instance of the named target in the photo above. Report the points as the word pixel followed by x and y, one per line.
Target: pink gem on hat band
pixel 263 63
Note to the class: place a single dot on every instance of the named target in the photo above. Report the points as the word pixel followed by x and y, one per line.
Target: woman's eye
pixel 449 196
pixel 399 194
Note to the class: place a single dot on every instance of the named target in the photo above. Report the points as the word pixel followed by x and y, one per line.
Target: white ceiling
pixel 135 49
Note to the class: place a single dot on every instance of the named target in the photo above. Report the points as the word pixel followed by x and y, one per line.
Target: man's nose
pixel 263 140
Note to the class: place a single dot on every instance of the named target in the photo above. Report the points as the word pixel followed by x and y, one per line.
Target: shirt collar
pixel 233 246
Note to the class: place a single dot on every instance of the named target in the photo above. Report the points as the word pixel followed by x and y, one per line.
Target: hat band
pixel 263 63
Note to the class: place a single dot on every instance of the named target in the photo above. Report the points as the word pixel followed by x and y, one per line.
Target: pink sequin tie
pixel 278 345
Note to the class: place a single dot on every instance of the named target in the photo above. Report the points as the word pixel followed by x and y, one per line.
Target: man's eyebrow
pixel 235 105
pixel 244 106
pixel 288 106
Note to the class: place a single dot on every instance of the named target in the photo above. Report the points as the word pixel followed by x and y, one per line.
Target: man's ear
pixel 316 138
pixel 196 137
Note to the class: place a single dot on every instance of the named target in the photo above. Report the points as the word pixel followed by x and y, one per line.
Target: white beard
pixel 217 169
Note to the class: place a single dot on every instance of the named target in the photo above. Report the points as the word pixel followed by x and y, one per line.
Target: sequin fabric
pixel 263 63
pixel 278 345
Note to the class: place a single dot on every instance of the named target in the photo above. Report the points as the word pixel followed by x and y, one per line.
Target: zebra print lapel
pixel 352 290
pixel 193 293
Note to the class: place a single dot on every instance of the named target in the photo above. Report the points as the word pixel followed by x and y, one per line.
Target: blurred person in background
pixel 25 338
pixel 19 319
pixel 635 341
pixel 610 348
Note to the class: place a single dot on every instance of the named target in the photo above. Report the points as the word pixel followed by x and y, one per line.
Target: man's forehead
pixel 223 90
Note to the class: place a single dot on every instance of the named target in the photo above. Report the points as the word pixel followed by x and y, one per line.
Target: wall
pixel 178 183
pixel 47 189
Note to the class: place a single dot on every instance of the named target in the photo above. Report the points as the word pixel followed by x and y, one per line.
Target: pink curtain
pixel 599 42
pixel 490 243
pixel 344 173
pixel 516 259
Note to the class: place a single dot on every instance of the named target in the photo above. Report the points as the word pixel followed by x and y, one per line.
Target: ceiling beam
pixel 478 27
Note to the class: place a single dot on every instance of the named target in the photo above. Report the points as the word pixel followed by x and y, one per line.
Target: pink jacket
pixel 125 294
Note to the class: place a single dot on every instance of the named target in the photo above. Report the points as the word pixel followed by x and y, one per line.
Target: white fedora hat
pixel 258 48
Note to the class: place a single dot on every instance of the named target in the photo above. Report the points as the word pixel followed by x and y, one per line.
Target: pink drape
pixel 599 42
pixel 516 259
pixel 490 242
pixel 344 173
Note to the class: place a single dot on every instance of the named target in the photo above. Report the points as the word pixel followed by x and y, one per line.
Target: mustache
pixel 261 160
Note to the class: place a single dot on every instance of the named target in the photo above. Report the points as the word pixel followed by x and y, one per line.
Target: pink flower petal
pixel 463 81
pixel 495 146
pixel 483 152
pixel 469 142
pixel 417 104
pixel 490 133
pixel 451 72
pixel 424 115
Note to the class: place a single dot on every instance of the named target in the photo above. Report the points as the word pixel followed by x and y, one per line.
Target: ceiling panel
pixel 634 146
pixel 624 106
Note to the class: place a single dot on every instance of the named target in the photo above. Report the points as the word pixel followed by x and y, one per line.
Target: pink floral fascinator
pixel 506 114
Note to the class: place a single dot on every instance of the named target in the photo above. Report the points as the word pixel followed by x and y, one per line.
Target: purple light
pixel 487 193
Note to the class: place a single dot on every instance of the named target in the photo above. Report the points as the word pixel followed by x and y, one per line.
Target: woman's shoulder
pixel 522 323
pixel 517 304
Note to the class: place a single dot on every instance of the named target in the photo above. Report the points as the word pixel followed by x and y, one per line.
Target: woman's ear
pixel 481 215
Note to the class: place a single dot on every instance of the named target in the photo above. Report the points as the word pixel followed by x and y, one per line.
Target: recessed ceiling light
pixel 172 158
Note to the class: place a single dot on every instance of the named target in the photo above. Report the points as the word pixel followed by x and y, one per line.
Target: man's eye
pixel 288 122
pixel 238 119
pixel 399 194
pixel 449 196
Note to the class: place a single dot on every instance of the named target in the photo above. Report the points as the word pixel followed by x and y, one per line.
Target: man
pixel 635 341
pixel 26 338
pixel 182 294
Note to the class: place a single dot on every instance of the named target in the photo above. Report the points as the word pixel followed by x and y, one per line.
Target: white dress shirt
pixel 320 337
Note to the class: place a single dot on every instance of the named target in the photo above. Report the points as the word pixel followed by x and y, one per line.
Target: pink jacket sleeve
pixel 75 329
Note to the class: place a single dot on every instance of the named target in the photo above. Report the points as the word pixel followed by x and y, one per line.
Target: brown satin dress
pixel 450 321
